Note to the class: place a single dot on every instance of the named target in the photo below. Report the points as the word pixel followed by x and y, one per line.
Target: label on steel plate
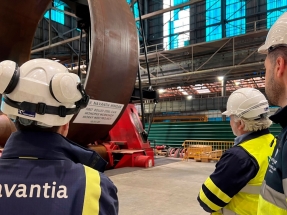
pixel 99 112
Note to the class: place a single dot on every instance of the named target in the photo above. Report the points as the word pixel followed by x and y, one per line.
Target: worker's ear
pixel 63 130
pixel 241 125
pixel 280 67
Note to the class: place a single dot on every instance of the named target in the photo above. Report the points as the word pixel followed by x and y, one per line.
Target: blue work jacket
pixel 43 173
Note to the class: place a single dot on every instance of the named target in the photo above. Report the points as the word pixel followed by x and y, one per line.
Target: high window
pixel 176 25
pixel 274 9
pixel 56 15
pixel 213 20
pixel 235 17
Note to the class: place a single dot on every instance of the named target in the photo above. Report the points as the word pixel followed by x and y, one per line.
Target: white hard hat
pixel 277 35
pixel 248 103
pixel 40 90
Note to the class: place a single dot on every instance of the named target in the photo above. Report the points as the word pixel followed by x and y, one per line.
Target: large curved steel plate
pixel 6 128
pixel 113 64
pixel 18 22
pixel 114 54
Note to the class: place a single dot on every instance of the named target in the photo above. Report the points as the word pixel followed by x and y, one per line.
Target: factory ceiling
pixel 193 70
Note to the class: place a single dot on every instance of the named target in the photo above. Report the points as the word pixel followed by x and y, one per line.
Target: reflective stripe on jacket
pixel 271 202
pixel 273 193
pixel 246 201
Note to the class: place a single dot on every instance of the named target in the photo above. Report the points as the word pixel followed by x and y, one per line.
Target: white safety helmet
pixel 277 35
pixel 40 90
pixel 247 103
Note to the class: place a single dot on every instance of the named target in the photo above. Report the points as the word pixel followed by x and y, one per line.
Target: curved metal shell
pixel 114 54
pixel 18 23
pixel 6 128
pixel 113 64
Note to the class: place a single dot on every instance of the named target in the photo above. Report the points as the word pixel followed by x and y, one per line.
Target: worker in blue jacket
pixel 233 188
pixel 273 194
pixel 42 172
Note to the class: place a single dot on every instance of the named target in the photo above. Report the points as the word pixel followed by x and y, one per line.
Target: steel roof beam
pixel 205 71
pixel 158 12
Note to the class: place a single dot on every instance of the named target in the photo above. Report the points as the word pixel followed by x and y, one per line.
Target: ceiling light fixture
pixel 220 78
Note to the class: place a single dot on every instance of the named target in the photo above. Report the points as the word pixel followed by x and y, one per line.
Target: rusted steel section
pixel 101 150
pixel 18 23
pixel 114 55
pixel 113 63
pixel 6 128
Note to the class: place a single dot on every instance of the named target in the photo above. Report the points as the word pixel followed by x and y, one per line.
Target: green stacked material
pixel 173 134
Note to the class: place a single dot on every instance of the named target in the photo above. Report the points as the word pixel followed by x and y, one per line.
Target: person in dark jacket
pixel 233 188
pixel 42 172
pixel 273 194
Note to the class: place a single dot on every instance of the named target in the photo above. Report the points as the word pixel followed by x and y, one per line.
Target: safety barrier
pixel 216 145
pixel 201 150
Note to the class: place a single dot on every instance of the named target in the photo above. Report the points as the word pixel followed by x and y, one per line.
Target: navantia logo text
pixel 33 191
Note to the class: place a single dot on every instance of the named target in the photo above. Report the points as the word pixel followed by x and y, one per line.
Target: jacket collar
pixel 254 135
pixel 280 117
pixel 239 139
pixel 50 146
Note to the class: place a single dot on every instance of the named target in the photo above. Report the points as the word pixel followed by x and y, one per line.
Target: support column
pixel 223 93
pixel 145 6
pixel 72 43
pixel 50 26
pixel 223 18
pixel 43 37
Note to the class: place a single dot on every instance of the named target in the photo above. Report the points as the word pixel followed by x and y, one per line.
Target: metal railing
pixel 216 145
pixel 249 27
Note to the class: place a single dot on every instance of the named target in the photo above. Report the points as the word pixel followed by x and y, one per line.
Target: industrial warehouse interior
pixel 158 74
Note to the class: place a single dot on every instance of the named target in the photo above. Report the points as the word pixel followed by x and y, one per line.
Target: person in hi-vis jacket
pixel 273 194
pixel 233 187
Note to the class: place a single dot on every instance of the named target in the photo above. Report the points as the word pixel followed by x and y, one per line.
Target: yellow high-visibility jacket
pixel 234 186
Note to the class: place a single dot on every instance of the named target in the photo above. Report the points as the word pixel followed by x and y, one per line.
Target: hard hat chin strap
pixel 41 108
pixel 83 102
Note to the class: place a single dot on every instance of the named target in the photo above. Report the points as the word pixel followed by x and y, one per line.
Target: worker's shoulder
pixel 238 155
pixel 97 176
pixel 236 151
pixel 282 138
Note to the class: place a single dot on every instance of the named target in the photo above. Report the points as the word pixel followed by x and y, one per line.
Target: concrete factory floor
pixel 169 188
